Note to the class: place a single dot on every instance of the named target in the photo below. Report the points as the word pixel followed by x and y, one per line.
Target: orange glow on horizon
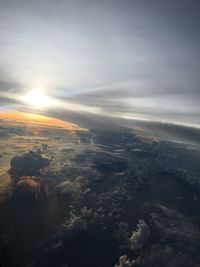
pixel 36 119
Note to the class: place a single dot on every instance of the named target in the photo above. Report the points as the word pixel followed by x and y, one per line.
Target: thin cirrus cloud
pixel 128 58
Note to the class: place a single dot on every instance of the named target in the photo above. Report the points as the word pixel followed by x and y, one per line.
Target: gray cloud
pixel 130 58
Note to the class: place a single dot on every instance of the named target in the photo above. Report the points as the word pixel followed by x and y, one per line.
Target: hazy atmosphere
pixel 132 58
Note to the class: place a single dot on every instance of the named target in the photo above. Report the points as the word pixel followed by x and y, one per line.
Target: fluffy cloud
pixel 27 186
pixel 177 240
pixel 125 262
pixel 29 164
pixel 140 237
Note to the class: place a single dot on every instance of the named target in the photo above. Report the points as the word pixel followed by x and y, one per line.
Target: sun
pixel 37 98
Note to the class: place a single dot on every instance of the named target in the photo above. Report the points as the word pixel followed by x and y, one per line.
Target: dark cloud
pixel 107 123
pixel 103 207
pixel 171 226
pixel 27 186
pixel 29 164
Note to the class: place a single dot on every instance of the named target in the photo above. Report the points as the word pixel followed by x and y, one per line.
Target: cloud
pixel 133 58
pixel 27 186
pixel 125 262
pixel 140 237
pixel 177 239
pixel 71 188
pixel 28 164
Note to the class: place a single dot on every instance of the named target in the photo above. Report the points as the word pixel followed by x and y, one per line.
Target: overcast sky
pixel 132 58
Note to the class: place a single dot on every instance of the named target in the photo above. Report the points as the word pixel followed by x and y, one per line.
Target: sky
pixel 124 58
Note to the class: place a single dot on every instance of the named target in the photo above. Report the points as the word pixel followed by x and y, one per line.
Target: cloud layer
pixel 126 58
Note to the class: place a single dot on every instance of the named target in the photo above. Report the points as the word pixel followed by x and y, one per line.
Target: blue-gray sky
pixel 131 58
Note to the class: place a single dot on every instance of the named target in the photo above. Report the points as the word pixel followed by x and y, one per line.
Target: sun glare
pixel 37 98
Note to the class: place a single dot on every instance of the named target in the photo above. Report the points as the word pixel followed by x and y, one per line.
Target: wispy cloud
pixel 129 58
